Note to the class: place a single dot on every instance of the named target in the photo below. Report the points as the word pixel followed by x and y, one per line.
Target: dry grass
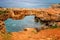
pixel 5 36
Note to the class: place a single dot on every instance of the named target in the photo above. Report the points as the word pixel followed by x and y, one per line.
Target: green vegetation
pixel 3 12
pixel 6 36
pixel 34 32
pixel 54 26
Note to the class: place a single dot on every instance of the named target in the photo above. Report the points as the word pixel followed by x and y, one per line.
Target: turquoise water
pixel 19 25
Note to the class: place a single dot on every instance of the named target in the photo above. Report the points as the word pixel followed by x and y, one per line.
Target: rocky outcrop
pixel 46 15
pixel 2 27
pixel 49 15
pixel 55 5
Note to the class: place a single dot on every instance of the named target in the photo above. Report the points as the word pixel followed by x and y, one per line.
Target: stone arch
pixel 21 13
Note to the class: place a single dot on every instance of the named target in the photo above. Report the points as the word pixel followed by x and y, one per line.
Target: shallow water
pixel 19 25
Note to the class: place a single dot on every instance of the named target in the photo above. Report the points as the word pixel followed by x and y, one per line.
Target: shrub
pixel 3 12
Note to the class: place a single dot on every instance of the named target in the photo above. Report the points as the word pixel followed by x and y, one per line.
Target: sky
pixel 27 3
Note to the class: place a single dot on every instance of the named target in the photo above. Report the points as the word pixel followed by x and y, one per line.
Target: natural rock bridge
pixel 44 14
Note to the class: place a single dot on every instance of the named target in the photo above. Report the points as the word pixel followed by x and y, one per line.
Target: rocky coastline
pixel 50 18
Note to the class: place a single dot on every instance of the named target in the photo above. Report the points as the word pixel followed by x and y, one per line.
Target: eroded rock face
pixel 49 15
pixel 58 24
pixel 2 27
pixel 56 5
pixel 17 15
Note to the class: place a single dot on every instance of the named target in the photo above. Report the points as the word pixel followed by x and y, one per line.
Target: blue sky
pixel 27 3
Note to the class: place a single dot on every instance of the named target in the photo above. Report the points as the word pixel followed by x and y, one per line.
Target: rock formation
pixel 2 27
pixel 46 15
